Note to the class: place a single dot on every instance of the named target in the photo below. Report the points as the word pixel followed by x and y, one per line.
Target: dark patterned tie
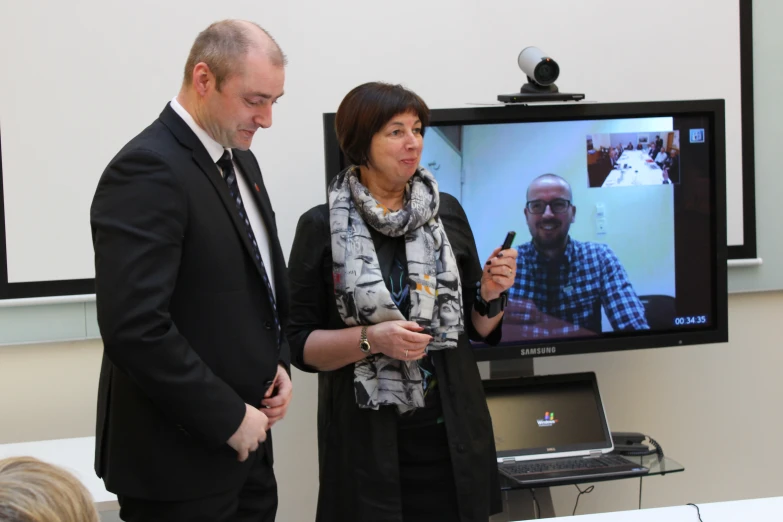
pixel 230 177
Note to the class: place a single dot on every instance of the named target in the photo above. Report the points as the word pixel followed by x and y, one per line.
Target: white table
pixel 639 171
pixel 76 455
pixel 756 510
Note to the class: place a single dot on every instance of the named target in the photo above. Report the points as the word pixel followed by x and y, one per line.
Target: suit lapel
pixel 254 179
pixel 256 184
pixel 201 157
pixel 213 174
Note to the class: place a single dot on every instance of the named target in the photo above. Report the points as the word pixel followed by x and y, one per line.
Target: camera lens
pixel 547 72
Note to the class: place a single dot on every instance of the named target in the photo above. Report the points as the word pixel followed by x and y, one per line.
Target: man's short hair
pixel 366 109
pixel 550 176
pixel 224 44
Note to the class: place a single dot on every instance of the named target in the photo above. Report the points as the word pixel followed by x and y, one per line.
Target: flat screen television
pixel 645 259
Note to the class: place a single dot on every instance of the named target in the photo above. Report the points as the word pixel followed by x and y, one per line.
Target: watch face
pixel 364 346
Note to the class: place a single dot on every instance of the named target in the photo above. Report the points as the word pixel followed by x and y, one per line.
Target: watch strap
pixel 364 344
pixel 489 308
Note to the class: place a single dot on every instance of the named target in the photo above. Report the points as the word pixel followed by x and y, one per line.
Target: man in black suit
pixel 658 146
pixel 191 296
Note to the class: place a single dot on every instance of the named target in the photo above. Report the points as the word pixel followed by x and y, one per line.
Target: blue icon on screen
pixel 697 135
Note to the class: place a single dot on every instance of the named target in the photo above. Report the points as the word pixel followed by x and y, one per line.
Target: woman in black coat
pixel 386 291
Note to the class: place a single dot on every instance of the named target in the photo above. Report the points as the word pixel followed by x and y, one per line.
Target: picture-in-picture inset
pixel 633 158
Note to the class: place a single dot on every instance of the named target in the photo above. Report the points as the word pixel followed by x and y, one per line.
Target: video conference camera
pixel 542 72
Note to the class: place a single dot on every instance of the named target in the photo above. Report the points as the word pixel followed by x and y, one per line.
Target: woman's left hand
pixel 499 273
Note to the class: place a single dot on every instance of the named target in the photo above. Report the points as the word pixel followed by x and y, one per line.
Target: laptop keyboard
pixel 567 464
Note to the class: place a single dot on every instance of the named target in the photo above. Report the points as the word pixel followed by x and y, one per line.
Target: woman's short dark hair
pixel 366 109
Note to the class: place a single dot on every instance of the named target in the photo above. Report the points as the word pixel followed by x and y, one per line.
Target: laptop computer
pixel 552 430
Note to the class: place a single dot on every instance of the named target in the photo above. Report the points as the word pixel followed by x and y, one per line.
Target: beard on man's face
pixel 550 233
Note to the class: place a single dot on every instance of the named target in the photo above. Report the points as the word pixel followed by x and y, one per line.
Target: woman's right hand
pixel 400 340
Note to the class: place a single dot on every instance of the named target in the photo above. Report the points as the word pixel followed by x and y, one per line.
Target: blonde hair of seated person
pixel 34 491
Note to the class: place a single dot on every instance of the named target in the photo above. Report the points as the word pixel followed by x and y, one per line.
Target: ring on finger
pixel 406 354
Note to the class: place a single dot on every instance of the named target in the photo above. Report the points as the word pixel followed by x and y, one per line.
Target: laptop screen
pixel 547 416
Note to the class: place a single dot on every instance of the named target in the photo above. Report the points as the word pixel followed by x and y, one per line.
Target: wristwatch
pixel 489 308
pixel 364 344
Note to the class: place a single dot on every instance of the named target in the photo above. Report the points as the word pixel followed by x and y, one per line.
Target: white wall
pixel 623 138
pixel 601 140
pixel 83 77
pixel 697 401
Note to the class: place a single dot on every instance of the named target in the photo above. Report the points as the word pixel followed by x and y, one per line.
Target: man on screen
pixel 564 281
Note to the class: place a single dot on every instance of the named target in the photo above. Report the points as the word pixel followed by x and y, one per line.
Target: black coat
pixel 184 315
pixel 357 448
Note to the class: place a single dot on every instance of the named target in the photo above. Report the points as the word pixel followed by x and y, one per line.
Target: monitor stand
pixel 519 504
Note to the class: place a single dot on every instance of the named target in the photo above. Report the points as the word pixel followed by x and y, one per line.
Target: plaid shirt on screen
pixel 574 287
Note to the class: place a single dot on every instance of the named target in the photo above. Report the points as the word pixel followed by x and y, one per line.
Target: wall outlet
pixel 600 226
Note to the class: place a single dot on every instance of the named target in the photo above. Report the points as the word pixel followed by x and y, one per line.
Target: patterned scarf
pixel 361 295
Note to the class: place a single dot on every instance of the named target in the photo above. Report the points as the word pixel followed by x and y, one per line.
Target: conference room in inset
pixel 633 158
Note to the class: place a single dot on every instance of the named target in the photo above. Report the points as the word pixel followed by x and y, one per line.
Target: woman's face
pixel 395 150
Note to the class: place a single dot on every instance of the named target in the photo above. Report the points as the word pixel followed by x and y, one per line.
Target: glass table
pixel 656 466
pixel 518 500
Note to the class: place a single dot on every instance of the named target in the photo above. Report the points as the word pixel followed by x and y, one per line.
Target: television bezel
pixel 712 109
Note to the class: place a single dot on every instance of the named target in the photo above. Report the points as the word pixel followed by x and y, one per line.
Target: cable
pixel 658 448
pixel 587 490
pixel 536 507
pixel 640 492
pixel 698 513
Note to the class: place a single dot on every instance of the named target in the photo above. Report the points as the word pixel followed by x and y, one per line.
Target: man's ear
pixel 573 213
pixel 202 78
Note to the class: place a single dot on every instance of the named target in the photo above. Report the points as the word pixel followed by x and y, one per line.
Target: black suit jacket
pixel 184 315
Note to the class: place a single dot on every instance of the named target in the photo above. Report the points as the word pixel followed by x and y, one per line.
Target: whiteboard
pixel 82 78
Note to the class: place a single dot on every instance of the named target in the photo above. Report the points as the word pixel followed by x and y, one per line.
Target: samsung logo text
pixel 544 350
